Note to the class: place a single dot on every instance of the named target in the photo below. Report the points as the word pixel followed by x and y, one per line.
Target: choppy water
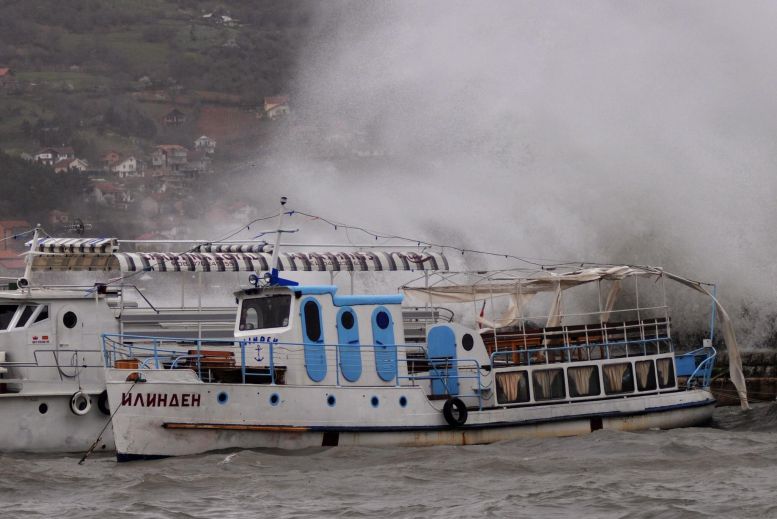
pixel 729 470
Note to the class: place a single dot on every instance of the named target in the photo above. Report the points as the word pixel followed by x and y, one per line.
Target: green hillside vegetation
pixel 84 63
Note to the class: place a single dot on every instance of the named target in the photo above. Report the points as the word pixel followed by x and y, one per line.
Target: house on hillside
pixel 206 144
pixel 197 165
pixel 169 157
pixel 110 159
pixel 129 168
pixel 8 82
pixel 50 156
pixel 174 117
pixel 275 107
pixel 65 165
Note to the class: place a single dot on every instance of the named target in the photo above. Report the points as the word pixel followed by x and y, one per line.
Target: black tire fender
pixel 102 403
pixel 455 412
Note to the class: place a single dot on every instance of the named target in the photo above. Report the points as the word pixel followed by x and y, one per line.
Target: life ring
pixel 80 403
pixel 455 412
pixel 102 403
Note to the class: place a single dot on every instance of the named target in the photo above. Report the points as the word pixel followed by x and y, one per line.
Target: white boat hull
pixel 301 417
pixel 24 428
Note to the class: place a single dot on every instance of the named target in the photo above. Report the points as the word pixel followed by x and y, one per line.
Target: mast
pixel 24 281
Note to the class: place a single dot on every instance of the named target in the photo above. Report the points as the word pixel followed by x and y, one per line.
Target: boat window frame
pixel 35 318
pixel 263 331
pixel 526 374
pixel 14 316
pixel 630 366
pixel 563 380
pixel 598 374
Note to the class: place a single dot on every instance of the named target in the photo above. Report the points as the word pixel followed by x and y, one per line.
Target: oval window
pixel 312 321
pixel 347 320
pixel 467 342
pixel 69 320
pixel 382 319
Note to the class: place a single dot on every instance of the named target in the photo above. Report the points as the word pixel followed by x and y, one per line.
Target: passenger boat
pixel 53 396
pixel 310 367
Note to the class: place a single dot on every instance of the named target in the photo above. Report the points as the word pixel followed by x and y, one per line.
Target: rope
pixel 17 235
pixel 102 431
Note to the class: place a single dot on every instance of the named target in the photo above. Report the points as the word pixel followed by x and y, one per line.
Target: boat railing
pixel 621 339
pixel 697 366
pixel 581 353
pixel 272 359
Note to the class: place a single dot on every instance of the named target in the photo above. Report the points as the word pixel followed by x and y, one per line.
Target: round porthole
pixel 382 319
pixel 347 320
pixel 43 408
pixel 222 398
pixel 375 401
pixel 403 401
pixel 331 401
pixel 69 320
pixel 467 342
pixel 275 399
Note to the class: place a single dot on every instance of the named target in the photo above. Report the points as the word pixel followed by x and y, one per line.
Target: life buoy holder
pixel 455 412
pixel 80 403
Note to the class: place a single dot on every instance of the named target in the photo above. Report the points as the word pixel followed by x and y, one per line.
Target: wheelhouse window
pixel 26 313
pixel 512 387
pixel 583 381
pixel 646 375
pixel 665 368
pixel 43 315
pixel 548 384
pixel 260 313
pixel 6 315
pixel 618 378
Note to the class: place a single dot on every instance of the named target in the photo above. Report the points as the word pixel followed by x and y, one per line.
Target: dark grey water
pixel 729 470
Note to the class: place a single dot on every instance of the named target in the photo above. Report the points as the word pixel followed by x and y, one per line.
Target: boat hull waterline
pixel 287 418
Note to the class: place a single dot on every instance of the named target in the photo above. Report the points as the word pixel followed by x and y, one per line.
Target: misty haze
pixel 517 137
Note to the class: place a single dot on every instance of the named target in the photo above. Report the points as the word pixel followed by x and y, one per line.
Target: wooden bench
pixel 209 359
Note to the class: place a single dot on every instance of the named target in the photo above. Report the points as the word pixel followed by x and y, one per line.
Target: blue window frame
pixel 384 344
pixel 313 338
pixel 349 350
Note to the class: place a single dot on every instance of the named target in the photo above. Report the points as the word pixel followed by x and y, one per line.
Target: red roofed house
pixel 276 106
pixel 110 159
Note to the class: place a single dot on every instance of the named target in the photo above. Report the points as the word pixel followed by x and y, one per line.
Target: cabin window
pixel 348 345
pixel 646 375
pixel 548 384
pixel 512 387
pixel 618 378
pixel 265 312
pixel 665 373
pixel 70 320
pixel 6 314
pixel 26 313
pixel 43 315
pixel 583 381
pixel 312 321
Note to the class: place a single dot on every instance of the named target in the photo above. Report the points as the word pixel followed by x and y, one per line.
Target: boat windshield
pixel 265 312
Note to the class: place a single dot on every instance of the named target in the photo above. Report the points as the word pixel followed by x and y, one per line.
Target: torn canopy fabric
pixel 522 290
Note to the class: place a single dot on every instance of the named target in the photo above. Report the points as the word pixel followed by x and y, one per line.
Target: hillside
pixel 101 75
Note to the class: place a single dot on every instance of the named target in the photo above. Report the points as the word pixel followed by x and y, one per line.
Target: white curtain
pixel 613 373
pixel 643 372
pixel 582 378
pixel 664 371
pixel 508 385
